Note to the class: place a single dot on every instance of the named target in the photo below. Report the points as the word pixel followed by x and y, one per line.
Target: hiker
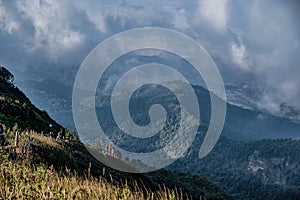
pixel 17 135
pixel 2 139
pixel 58 136
pixel 51 134
pixel 113 152
pixel 108 149
pixel 63 133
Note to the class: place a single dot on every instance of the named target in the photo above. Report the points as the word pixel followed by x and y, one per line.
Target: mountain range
pixel 258 151
pixel 243 121
pixel 18 113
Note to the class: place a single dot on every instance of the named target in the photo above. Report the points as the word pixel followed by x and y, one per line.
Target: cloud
pixel 245 38
pixel 240 56
pixel 271 32
pixel 51 25
pixel 7 22
pixel 99 22
pixel 180 22
pixel 214 13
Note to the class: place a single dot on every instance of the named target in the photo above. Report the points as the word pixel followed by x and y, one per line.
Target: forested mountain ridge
pixel 263 169
pixel 17 109
pixel 38 154
pixel 243 163
pixel 240 124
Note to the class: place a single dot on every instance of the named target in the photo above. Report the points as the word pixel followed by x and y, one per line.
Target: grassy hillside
pixel 44 168
pixel 25 181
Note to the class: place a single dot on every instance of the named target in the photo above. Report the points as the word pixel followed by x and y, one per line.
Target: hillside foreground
pixel 43 168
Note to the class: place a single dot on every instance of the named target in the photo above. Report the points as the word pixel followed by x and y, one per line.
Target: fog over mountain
pixel 255 42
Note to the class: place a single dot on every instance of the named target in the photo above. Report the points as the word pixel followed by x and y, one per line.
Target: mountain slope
pixel 16 108
pixel 269 166
pixel 53 96
pixel 72 154
pixel 264 169
pixel 241 123
pixel 249 96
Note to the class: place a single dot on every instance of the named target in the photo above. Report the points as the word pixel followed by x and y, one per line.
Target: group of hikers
pixel 61 135
pixel 110 150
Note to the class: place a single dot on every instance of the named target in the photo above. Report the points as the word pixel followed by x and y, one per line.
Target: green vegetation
pixel 16 108
pixel 47 169
pixel 264 169
pixel 6 76
pixel 24 181
pixel 43 168
pixel 189 184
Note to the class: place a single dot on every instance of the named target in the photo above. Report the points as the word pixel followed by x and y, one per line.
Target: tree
pixel 6 76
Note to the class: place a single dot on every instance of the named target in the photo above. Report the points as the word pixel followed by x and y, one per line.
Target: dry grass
pixel 47 140
pixel 20 181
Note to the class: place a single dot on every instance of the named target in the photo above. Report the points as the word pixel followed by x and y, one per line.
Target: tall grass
pixel 23 180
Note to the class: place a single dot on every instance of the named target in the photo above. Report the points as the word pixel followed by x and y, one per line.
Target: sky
pixel 250 41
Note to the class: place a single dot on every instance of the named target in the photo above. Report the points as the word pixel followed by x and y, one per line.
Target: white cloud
pixel 69 39
pixel 7 22
pixel 180 21
pixel 240 56
pixel 99 22
pixel 51 25
pixel 95 14
pixel 272 30
pixel 214 12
